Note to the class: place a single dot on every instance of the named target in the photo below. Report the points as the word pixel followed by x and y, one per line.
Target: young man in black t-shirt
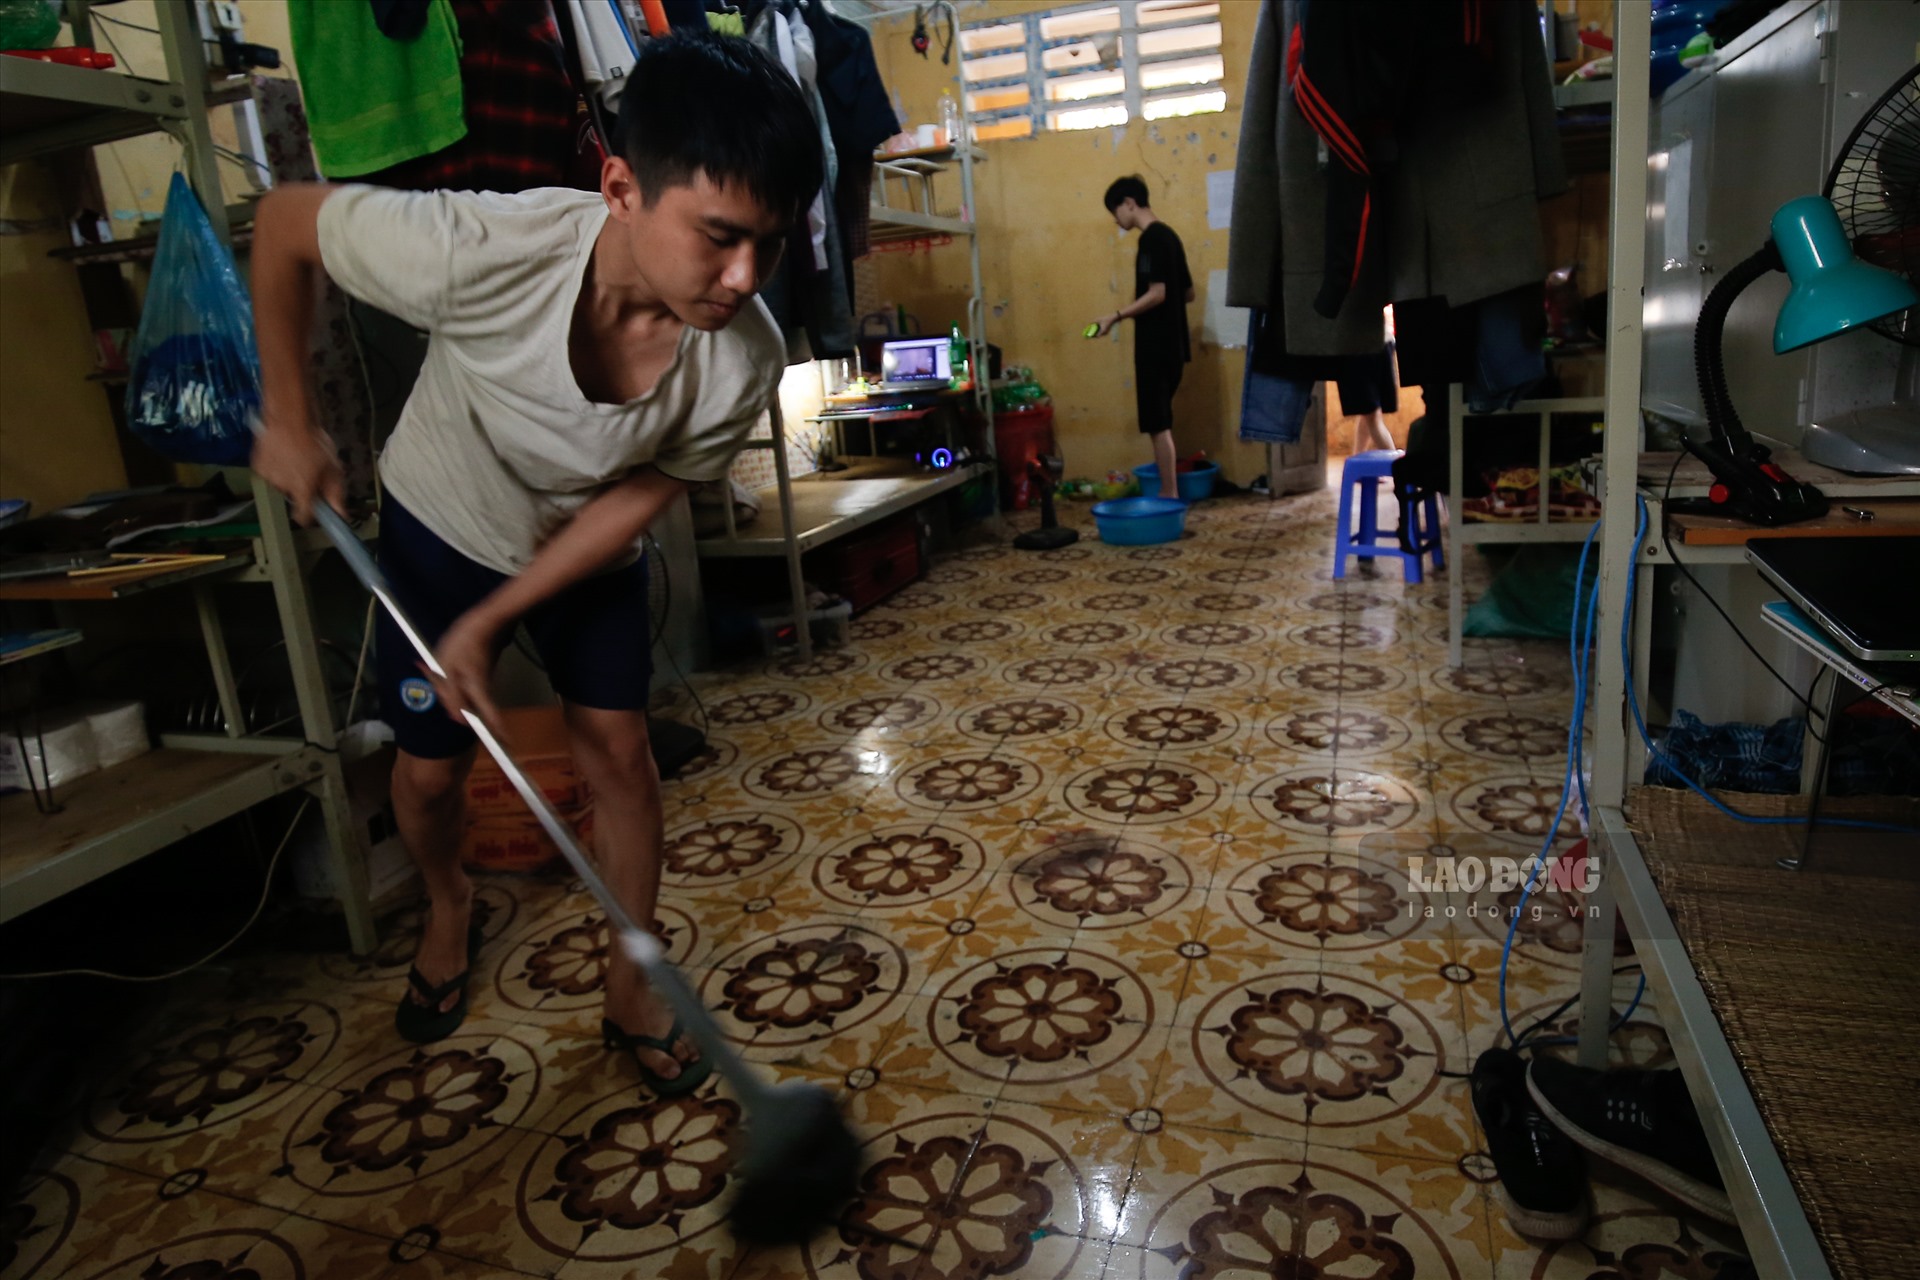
pixel 1162 288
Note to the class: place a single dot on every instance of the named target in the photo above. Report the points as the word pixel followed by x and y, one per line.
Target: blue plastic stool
pixel 1363 472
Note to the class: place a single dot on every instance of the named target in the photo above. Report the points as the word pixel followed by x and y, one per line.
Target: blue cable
pixel 1639 722
pixel 1574 744
pixel 1575 720
pixel 1582 656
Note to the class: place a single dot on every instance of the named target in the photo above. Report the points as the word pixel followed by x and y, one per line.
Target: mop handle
pixel 639 944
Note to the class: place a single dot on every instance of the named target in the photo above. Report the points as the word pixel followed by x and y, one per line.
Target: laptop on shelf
pixel 915 364
pixel 1865 592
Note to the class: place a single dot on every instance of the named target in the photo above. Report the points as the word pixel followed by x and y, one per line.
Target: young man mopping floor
pixel 1162 288
pixel 591 355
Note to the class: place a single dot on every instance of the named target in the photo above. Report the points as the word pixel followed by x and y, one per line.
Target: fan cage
pixel 1875 187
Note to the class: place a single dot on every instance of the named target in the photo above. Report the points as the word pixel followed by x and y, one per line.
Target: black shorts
pixel 1368 384
pixel 1153 388
pixel 593 637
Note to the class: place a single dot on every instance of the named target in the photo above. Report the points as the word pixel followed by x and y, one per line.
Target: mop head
pixel 802 1166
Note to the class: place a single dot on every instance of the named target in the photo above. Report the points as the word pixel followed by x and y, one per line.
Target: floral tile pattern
pixel 1084 879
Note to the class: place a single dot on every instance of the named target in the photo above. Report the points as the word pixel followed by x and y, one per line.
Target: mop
pixel 801 1160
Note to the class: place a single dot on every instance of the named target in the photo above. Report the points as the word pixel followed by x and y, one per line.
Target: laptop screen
pixel 916 360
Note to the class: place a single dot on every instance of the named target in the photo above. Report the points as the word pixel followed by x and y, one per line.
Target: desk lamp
pixel 1832 292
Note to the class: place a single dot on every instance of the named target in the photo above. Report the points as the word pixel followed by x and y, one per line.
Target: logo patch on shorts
pixel 417 694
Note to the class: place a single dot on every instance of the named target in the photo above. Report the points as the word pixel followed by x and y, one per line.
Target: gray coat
pixel 1460 203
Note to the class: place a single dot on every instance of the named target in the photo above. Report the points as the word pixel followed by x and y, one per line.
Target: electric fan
pixel 1875 188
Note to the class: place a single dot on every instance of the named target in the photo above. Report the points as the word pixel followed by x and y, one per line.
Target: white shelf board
pixel 827 509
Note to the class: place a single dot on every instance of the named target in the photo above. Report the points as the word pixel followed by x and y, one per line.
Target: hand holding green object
pixel 1091 331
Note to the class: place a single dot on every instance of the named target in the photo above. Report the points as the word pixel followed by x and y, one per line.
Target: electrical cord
pixel 266 886
pixel 666 615
pixel 1633 1004
pixel 1530 1039
pixel 1673 553
pixel 98 16
pixel 1640 724
pixel 115 45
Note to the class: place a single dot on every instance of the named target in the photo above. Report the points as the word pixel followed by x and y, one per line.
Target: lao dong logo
pixel 1497 875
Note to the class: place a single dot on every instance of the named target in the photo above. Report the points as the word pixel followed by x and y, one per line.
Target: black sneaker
pixel 1643 1121
pixel 1543 1178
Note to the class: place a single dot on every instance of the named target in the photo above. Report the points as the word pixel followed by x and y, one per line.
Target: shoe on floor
pixel 1543 1177
pixel 1643 1121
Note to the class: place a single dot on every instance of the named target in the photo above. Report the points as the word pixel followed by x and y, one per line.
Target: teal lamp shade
pixel 1833 291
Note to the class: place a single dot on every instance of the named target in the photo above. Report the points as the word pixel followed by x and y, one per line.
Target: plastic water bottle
pixel 950 119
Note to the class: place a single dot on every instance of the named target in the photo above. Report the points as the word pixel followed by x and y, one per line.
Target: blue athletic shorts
pixel 593 638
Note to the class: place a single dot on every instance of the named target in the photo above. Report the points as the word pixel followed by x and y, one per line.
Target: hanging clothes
pixel 373 101
pixel 1491 347
pixel 1459 144
pixel 810 291
pixel 860 117
pixel 522 107
pixel 605 48
pixel 1276 238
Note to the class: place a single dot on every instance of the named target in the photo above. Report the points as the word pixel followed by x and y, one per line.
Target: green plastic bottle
pixel 957 356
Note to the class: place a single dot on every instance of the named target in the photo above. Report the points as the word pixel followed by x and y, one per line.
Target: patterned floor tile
pixel 1633 1230
pixel 1086 878
pixel 1222 1205
pixel 135 1228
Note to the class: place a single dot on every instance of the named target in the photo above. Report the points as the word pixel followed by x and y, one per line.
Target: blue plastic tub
pixel 1194 485
pixel 1139 522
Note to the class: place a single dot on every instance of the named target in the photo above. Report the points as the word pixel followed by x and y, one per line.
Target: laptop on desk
pixel 1864 591
pixel 915 364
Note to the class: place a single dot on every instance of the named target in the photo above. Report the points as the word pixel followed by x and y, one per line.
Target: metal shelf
pixel 889 226
pixel 827 509
pixel 118 586
pixel 48 106
pixel 110 819
pixel 120 815
pixel 1462 532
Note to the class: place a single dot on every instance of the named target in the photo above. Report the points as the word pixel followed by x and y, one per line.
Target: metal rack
pixel 1462 533
pixel 1771 1217
pixel 854 503
pixel 123 814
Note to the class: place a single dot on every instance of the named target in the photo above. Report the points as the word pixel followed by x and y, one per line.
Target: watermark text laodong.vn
pixel 1499 875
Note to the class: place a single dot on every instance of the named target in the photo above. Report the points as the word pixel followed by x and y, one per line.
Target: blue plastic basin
pixel 1194 485
pixel 1139 522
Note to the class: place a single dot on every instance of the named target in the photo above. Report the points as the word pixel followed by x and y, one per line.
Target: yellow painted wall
pixel 1052 260
pixel 56 434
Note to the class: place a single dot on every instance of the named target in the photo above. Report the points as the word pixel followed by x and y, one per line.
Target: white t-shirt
pixel 498 446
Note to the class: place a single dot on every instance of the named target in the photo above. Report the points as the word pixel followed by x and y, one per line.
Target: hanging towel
pixel 372 101
pixel 521 106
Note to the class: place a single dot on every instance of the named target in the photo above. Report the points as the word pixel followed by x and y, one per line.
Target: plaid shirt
pixel 523 112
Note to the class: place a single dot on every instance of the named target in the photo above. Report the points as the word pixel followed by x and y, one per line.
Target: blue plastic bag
pixel 195 386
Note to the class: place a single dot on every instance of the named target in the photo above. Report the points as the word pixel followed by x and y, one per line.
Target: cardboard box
pixel 502 834
pixel 537 738
pixel 519 845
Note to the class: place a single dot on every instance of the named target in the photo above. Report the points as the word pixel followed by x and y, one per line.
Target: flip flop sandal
pixel 423 1021
pixel 692 1074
